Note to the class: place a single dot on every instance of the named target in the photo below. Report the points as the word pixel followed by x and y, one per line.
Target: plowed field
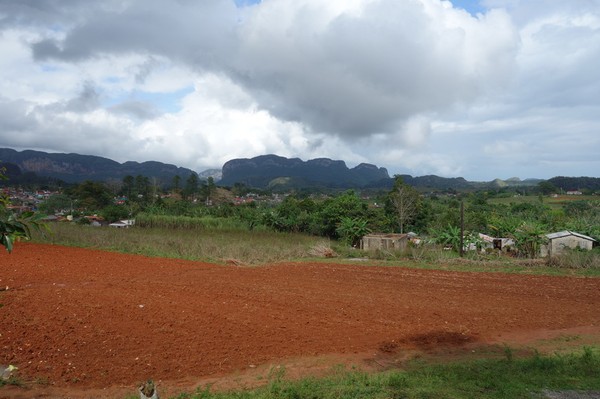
pixel 80 319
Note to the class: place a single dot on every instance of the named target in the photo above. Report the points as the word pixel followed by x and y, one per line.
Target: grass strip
pixel 227 243
pixel 499 378
pixel 213 245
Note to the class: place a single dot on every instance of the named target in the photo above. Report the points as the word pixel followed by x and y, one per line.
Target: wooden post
pixel 462 229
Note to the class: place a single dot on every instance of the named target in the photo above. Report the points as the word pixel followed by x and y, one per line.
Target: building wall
pixel 557 245
pixel 386 242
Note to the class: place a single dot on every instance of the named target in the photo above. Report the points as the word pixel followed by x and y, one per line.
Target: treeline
pixel 346 216
pixel 576 183
pixel 15 177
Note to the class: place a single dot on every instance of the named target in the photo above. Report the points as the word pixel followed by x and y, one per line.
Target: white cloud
pixel 359 73
pixel 218 121
pixel 416 86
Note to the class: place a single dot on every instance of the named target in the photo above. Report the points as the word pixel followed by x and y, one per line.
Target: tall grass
pixel 576 259
pixel 219 245
pixel 145 220
pixel 230 244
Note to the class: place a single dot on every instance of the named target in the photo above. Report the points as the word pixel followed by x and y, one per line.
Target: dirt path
pixel 85 319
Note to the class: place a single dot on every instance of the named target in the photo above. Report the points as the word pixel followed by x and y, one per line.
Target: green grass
pixel 189 223
pixel 583 264
pixel 491 378
pixel 206 244
pixel 553 202
pixel 225 244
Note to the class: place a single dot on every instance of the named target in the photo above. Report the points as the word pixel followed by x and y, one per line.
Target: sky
pixel 478 89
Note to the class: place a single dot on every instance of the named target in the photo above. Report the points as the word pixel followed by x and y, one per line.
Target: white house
pixel 123 224
pixel 557 242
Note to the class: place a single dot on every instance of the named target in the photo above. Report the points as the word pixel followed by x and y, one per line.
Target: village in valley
pixel 74 209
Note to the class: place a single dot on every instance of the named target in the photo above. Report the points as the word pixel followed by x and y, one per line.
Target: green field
pixel 553 202
pixel 227 244
pixel 217 245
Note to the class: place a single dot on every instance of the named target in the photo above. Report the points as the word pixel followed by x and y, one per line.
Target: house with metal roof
pixel 557 242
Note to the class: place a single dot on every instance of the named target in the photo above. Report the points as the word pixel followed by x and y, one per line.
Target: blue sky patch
pixel 472 6
pixel 246 3
pixel 166 102
pixel 112 79
pixel 49 68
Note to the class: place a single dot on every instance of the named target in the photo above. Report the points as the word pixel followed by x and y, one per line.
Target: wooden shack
pixel 388 242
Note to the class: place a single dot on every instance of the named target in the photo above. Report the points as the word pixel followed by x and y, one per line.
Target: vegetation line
pixel 492 378
pixel 245 247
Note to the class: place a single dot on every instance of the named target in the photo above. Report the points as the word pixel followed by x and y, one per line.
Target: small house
pixel 390 242
pixel 557 242
pixel 123 224
pixel 488 243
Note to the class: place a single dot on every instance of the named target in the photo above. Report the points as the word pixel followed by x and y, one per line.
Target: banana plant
pixel 13 228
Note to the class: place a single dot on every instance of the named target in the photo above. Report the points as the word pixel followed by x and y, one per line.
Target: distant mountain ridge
pixel 75 168
pixel 276 172
pixel 262 171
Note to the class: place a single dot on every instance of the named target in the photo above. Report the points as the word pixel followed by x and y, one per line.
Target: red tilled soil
pixel 79 319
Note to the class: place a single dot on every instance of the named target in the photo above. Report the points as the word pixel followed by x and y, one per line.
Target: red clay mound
pixel 90 319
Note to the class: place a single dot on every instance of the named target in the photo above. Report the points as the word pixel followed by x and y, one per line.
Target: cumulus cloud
pixel 360 72
pixel 350 71
pixel 418 84
pixel 137 109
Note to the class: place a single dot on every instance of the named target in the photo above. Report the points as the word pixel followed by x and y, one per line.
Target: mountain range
pixel 266 171
pixel 75 168
pixel 262 172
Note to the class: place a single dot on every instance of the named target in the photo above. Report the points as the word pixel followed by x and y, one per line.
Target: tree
pixel 191 186
pixel 13 227
pixel 176 183
pixel 289 216
pixel 529 238
pixel 142 186
pixel 56 203
pixel 208 189
pixel 92 196
pixel 113 213
pixel 504 226
pixel 404 201
pixel 334 210
pixel 128 185
pixel 351 230
pixel 449 236
pixel 546 188
pixel 578 209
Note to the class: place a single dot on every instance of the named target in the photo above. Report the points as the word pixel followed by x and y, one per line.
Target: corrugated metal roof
pixel 566 233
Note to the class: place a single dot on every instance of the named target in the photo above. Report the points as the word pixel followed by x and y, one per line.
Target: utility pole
pixel 462 228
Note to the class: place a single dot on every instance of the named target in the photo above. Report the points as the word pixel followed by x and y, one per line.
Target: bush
pixel 576 259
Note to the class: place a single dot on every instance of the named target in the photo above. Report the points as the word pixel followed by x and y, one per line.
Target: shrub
pixel 576 259
pixel 351 230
